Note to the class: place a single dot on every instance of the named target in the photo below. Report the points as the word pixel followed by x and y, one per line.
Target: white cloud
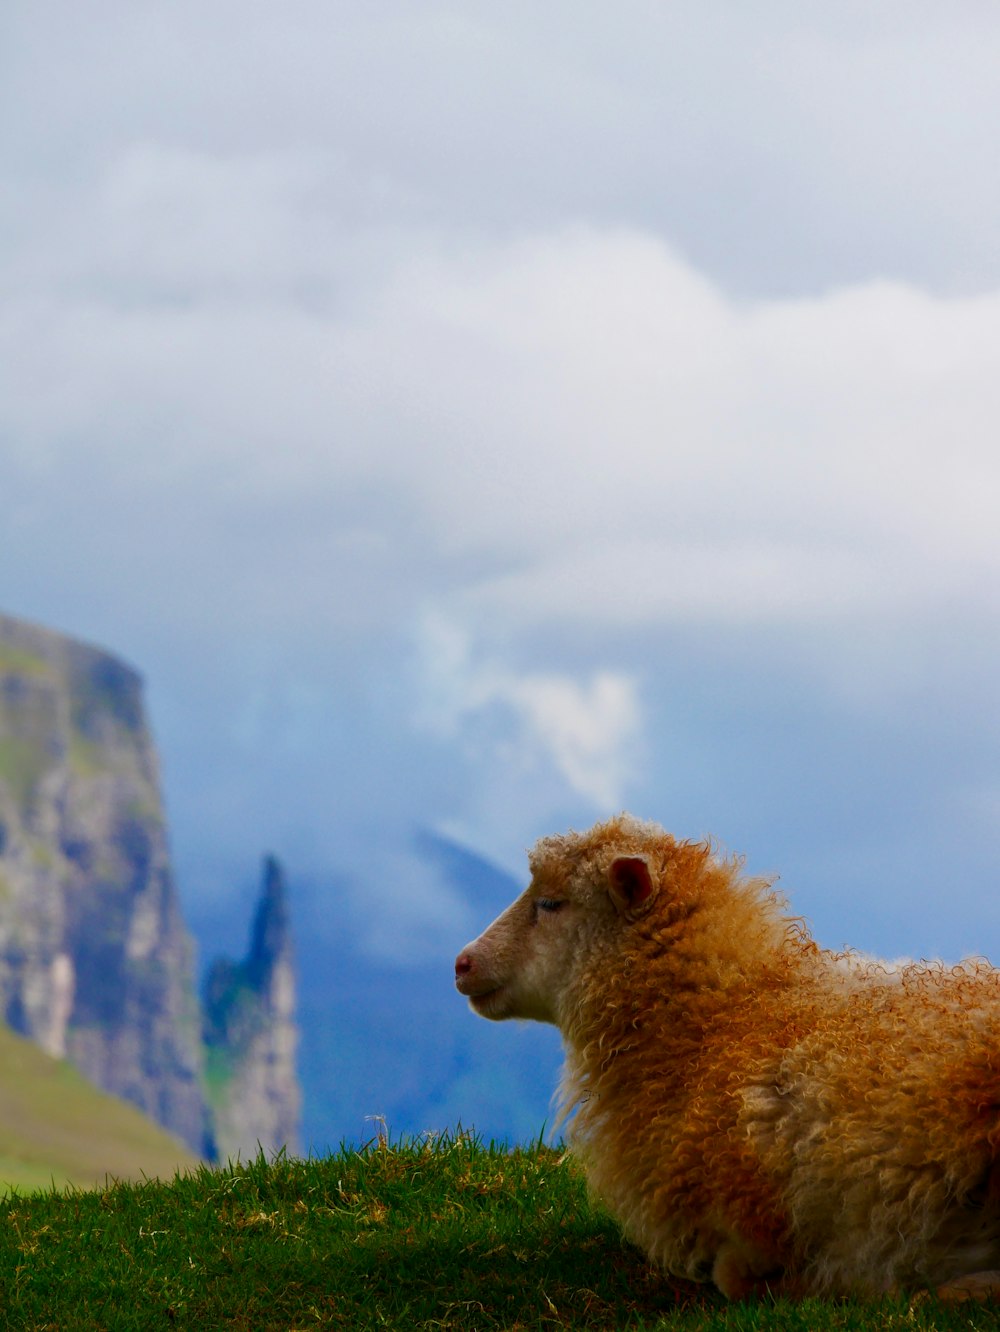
pixel 598 435
pixel 781 147
pixel 586 729
pixel 636 583
pixel 589 728
pixel 570 429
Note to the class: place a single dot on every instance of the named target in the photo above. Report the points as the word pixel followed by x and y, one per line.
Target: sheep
pixel 756 1111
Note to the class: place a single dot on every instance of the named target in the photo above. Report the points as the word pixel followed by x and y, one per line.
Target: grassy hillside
pixel 56 1127
pixel 448 1235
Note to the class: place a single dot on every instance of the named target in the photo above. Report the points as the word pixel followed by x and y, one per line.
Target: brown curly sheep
pixel 755 1110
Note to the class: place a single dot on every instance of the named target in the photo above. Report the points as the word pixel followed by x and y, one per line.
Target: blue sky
pixel 489 417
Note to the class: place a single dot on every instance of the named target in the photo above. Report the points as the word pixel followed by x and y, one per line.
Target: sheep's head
pixel 585 891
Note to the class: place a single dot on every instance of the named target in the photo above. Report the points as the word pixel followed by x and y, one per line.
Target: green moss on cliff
pixel 22 766
pixel 220 1067
pixel 43 855
pixel 16 661
pixel 85 758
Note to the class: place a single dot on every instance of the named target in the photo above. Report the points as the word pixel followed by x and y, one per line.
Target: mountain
pixel 393 1040
pixel 251 1036
pixel 96 962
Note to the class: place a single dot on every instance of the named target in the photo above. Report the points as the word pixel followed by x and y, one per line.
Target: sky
pixel 486 418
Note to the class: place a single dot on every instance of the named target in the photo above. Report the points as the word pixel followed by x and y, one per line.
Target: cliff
pixel 96 964
pixel 251 1035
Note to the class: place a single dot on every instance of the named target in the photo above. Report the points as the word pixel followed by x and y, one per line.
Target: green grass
pixel 443 1235
pixel 55 1127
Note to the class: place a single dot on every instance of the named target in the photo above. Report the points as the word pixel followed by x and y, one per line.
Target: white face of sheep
pixel 523 964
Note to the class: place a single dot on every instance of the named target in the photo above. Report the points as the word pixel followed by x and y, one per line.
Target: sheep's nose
pixel 463 964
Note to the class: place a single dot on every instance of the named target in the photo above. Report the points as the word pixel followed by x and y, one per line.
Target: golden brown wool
pixel 755 1110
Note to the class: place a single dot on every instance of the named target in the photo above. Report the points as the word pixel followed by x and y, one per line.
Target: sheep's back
pixel 881 1126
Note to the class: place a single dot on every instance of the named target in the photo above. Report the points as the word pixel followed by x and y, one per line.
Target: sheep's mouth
pixel 475 987
pixel 484 1002
pixel 483 993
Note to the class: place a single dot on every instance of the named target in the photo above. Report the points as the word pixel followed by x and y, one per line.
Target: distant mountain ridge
pixel 96 963
pixel 393 1040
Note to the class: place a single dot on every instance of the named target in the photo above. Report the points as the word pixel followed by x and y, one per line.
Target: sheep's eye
pixel 549 904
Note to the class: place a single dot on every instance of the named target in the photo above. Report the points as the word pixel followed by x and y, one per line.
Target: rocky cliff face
pixel 251 1035
pixel 96 964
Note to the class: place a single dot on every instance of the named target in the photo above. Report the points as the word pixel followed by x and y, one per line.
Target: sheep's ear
pixel 631 885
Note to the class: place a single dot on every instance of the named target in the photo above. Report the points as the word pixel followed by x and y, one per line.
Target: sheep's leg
pixel 975 1286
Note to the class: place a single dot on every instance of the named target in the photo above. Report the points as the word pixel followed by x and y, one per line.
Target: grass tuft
pixel 443 1233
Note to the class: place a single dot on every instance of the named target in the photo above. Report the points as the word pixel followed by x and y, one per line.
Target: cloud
pixel 601 437
pixel 782 149
pixel 572 429
pixel 586 729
